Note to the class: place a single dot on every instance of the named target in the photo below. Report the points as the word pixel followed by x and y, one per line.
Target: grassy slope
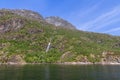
pixel 30 43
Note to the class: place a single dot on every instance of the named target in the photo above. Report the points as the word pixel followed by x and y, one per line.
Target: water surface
pixel 60 72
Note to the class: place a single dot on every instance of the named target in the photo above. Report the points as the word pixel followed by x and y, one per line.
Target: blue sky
pixel 101 16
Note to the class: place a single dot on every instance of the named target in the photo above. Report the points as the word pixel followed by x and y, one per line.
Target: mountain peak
pixel 57 21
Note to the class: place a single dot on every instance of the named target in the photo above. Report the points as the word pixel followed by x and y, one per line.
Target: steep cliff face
pixel 57 21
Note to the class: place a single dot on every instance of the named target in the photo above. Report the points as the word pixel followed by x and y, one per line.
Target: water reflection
pixel 60 72
pixel 47 73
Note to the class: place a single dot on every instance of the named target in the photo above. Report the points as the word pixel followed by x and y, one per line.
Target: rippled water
pixel 60 72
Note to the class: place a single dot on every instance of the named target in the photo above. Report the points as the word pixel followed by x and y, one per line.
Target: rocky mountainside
pixel 10 21
pixel 24 39
pixel 25 13
pixel 57 21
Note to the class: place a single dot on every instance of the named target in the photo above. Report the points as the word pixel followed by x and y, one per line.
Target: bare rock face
pixel 11 24
pixel 110 57
pixel 57 21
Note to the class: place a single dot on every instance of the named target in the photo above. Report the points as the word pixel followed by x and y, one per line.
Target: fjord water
pixel 60 72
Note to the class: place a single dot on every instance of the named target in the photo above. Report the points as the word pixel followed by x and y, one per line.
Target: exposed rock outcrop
pixel 110 57
pixel 11 24
pixel 57 21
pixel 116 45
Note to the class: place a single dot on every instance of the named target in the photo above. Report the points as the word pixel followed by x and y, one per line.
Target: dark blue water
pixel 60 72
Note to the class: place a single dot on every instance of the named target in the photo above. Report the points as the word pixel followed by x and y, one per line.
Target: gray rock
pixel 12 24
pixel 57 21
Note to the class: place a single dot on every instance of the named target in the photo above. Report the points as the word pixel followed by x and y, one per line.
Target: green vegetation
pixel 30 43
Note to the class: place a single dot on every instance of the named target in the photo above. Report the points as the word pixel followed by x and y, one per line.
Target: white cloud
pixel 78 15
pixel 103 20
pixel 113 30
pixel 82 14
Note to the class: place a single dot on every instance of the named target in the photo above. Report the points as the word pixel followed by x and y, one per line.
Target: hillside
pixel 25 39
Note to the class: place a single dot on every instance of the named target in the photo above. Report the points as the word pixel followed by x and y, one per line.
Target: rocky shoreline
pixel 65 63
pixel 89 63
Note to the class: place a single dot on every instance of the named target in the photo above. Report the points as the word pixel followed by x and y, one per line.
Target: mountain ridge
pixel 54 20
pixel 25 13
